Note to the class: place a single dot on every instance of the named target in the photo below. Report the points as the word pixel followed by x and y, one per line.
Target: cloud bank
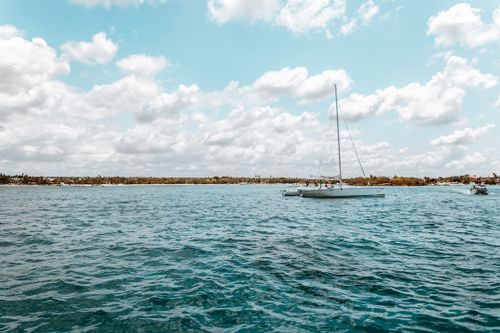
pixel 462 25
pixel 297 16
pixel 134 126
pixel 436 102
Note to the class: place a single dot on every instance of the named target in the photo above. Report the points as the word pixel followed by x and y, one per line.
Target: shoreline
pixel 90 181
pixel 195 184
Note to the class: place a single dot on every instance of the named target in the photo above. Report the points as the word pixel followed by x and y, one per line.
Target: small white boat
pixel 291 192
pixel 297 190
pixel 479 189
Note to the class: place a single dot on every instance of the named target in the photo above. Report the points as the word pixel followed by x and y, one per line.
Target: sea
pixel 242 258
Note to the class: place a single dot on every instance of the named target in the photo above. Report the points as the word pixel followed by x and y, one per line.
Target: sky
pixel 246 87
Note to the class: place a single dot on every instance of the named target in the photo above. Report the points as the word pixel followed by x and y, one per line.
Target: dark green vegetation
pixel 373 180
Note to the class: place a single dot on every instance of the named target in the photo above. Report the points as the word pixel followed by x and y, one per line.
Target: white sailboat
pixel 339 190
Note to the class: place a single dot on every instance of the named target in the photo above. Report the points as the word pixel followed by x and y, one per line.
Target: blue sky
pixel 419 86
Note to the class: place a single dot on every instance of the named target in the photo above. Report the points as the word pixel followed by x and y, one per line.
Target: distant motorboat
pixel 339 189
pixel 479 189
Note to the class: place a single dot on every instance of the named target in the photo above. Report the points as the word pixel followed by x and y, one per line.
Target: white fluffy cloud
pixel 462 25
pixel 468 161
pixel 61 128
pixel 268 88
pixel 142 65
pixel 348 27
pixel 438 101
pixel 9 31
pixel 117 3
pixel 297 82
pixel 223 11
pixel 128 94
pixel 43 120
pixel 463 136
pixel 265 139
pixel 98 51
pixel 367 11
pixel 151 140
pixel 298 16
pixel 248 140
pixel 301 16
pixel 28 69
pixel 133 126
pixel 169 105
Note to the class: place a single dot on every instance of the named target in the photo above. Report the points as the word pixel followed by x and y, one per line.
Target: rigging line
pixel 352 142
pixel 325 145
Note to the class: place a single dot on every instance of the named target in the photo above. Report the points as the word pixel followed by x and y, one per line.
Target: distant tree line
pixel 371 180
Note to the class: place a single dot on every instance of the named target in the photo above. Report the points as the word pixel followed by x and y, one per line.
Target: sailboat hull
pixel 344 192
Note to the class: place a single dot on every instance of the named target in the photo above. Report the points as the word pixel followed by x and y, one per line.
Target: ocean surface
pixel 245 259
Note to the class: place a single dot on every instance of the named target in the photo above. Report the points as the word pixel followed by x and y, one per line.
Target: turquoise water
pixel 243 258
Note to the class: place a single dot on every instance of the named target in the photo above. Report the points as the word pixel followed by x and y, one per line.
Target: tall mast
pixel 338 133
